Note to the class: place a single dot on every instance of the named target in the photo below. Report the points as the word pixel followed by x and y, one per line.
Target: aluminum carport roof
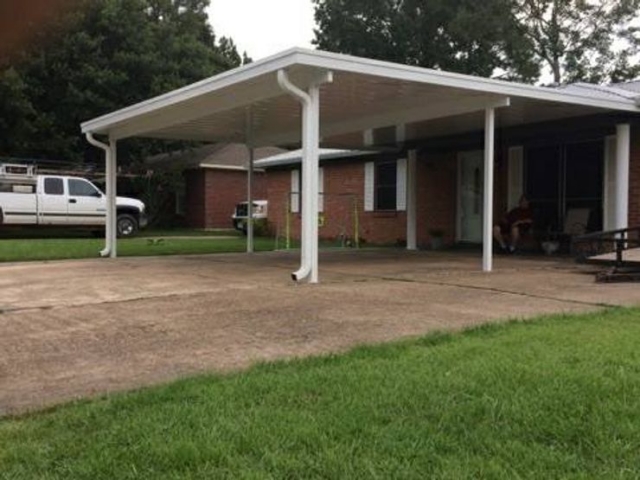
pixel 348 102
pixel 365 94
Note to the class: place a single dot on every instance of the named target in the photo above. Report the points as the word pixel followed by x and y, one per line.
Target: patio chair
pixel 576 223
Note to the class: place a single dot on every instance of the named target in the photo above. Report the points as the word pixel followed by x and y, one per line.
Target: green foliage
pixel 590 40
pixel 463 36
pixel 582 40
pixel 553 398
pixel 98 57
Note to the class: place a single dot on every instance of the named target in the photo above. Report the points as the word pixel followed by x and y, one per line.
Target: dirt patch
pixel 77 328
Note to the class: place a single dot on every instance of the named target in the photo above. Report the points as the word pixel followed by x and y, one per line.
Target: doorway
pixel 470 196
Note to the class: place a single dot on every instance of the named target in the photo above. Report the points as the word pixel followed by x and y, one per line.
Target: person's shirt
pixel 519 214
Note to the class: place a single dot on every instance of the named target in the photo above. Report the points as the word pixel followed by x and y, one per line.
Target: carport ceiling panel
pixel 192 110
pixel 521 112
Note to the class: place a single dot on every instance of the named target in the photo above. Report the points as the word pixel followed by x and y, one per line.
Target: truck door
pixel 87 205
pixel 52 202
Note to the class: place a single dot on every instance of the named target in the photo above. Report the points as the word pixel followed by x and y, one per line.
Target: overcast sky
pixel 263 27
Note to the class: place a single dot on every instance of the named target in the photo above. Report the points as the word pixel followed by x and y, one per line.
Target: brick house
pixel 215 180
pixel 560 166
pixel 571 148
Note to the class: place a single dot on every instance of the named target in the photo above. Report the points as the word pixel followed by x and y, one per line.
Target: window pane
pixel 386 198
pixel 81 188
pixel 53 186
pixel 385 181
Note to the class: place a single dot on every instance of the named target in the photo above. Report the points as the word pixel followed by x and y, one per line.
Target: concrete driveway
pixel 75 328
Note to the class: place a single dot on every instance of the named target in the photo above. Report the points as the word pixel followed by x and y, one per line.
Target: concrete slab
pixel 75 328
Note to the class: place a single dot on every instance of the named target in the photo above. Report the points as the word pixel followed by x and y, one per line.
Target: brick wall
pixel 634 180
pixel 212 195
pixel 344 192
pixel 437 186
pixel 436 196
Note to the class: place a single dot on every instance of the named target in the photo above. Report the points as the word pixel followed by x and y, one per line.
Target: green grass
pixel 60 233
pixel 554 398
pixel 66 248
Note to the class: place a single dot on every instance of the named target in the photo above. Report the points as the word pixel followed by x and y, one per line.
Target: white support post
pixel 310 189
pixel 487 230
pixel 250 228
pixel 310 171
pixel 623 142
pixel 112 192
pixel 412 170
pixel 249 143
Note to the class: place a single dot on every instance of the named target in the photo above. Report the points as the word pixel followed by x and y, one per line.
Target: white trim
pixel 343 63
pixel 321 190
pixel 487 207
pixel 401 185
pixel 460 158
pixel 369 186
pixel 209 166
pixel 295 157
pixel 623 146
pixel 294 194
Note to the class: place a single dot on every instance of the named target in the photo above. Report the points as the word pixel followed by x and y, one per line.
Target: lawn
pixel 15 250
pixel 552 398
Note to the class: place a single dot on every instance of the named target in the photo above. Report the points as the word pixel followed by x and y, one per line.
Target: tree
pixel 95 58
pixel 582 40
pixel 463 36
pixel 589 40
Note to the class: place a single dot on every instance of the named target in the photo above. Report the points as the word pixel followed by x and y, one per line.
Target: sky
pixel 263 27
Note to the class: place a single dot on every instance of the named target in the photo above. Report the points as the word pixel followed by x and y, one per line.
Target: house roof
pixel 365 95
pixel 234 156
pixel 633 86
pixel 614 91
pixel 295 157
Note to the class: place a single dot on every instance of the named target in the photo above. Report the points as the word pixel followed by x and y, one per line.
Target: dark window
pixel 53 186
pixel 82 188
pixel 386 177
pixel 561 178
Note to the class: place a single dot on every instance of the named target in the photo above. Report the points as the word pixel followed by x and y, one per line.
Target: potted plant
pixel 436 238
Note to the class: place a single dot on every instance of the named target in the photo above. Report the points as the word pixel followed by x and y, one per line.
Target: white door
pixel 87 205
pixel 470 196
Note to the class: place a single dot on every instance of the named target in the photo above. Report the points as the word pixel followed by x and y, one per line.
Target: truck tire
pixel 126 225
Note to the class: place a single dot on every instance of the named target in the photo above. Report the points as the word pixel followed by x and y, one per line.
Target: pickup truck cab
pixel 51 200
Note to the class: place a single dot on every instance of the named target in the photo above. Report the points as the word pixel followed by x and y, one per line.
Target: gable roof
pixel 234 156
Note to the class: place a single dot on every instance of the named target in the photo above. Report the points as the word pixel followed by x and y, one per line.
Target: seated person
pixel 518 221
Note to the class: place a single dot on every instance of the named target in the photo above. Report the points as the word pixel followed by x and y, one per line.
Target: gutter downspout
pixel 310 169
pixel 107 153
pixel 307 212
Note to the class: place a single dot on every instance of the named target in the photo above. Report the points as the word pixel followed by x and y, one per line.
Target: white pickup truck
pixel 51 200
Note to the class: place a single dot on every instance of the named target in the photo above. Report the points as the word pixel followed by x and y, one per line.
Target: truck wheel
pixel 126 225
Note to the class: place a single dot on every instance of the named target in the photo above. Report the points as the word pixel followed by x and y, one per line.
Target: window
pixel 386 184
pixel 296 195
pixel 82 188
pixel 53 186
pixel 7 187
